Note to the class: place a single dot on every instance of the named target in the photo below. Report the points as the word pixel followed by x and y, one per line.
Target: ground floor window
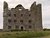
pixel 30 26
pixel 9 27
pixel 17 26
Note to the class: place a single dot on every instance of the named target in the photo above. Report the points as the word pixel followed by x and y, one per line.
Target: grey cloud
pixel 44 2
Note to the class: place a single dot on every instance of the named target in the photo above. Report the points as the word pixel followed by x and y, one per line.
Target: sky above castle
pixel 27 4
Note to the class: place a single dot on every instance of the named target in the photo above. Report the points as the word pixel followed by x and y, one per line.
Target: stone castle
pixel 20 18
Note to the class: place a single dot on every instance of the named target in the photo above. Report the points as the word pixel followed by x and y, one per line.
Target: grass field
pixel 24 34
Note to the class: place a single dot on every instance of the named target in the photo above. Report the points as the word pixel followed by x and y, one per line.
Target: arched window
pixel 20 9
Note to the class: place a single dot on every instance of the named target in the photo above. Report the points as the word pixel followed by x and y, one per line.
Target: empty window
pixel 9 14
pixel 9 20
pixel 9 27
pixel 17 26
pixel 30 21
pixel 14 20
pixel 21 21
pixel 29 14
pixel 15 15
pixel 30 26
pixel 21 14
pixel 20 9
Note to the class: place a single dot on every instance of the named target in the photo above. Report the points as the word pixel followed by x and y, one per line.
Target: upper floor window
pixel 9 14
pixel 21 21
pixel 29 14
pixel 20 9
pixel 9 20
pixel 30 21
pixel 15 15
pixel 21 14
pixel 15 20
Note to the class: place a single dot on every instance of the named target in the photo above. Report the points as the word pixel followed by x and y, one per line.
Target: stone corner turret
pixel 5 7
pixel 33 6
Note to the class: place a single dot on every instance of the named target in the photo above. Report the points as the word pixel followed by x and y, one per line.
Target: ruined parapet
pixel 39 12
pixel 5 7
pixel 39 8
pixel 33 7
pixel 19 7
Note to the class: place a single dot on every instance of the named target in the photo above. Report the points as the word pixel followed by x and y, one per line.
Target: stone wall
pixel 21 18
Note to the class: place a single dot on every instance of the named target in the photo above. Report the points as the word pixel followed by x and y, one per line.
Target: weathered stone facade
pixel 21 18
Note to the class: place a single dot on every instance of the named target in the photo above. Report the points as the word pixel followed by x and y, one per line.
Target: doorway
pixel 21 28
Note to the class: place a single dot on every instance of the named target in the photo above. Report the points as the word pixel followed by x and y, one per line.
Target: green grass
pixel 24 34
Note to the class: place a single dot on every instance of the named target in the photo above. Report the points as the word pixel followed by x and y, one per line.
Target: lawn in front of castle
pixel 24 34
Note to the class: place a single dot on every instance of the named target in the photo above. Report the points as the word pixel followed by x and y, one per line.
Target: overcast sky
pixel 27 4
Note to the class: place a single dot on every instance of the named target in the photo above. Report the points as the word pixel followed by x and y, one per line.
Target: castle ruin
pixel 20 18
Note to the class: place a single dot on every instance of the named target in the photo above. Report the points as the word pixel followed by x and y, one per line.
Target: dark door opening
pixel 22 28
